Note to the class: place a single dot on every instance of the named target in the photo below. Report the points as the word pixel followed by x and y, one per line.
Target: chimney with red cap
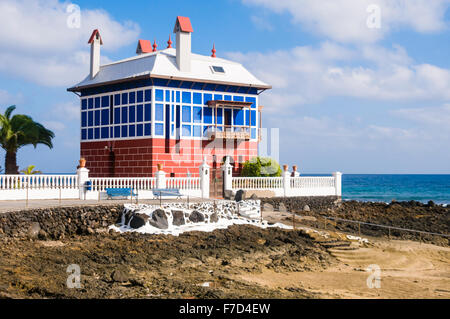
pixel 95 41
pixel 183 30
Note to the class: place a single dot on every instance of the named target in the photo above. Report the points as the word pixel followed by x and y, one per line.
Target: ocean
pixel 385 187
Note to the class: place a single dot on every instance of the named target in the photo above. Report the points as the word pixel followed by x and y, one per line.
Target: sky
pixel 358 86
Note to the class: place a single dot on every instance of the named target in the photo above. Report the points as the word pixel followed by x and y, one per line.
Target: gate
pixel 216 183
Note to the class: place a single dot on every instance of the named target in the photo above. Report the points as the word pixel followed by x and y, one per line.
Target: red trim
pixel 145 46
pixel 91 39
pixel 184 23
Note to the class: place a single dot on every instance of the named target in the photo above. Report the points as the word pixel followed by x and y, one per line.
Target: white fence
pixel 15 187
pixel 81 186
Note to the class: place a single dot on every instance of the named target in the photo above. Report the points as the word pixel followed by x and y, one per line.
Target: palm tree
pixel 30 170
pixel 17 131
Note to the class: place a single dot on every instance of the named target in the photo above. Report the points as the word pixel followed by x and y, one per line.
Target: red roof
pixel 184 23
pixel 94 33
pixel 144 46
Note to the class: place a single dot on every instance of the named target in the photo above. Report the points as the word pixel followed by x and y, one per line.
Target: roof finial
pixel 169 43
pixel 154 45
pixel 213 51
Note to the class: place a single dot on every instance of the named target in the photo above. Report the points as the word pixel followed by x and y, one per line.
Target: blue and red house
pixel 169 107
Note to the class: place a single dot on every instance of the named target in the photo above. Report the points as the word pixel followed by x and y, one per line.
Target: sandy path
pixel 408 270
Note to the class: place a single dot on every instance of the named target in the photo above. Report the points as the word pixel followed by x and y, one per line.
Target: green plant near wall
pixel 261 167
pixel 30 170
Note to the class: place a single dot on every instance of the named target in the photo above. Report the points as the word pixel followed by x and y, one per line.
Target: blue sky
pixel 345 97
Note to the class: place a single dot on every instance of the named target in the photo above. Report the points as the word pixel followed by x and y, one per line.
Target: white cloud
pixel 7 99
pixel 36 43
pixel 346 20
pixel 437 117
pixel 54 125
pixel 308 74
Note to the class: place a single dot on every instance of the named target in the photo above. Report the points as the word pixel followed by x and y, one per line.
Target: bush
pixel 261 167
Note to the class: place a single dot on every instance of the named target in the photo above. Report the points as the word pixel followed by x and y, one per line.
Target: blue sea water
pixel 385 188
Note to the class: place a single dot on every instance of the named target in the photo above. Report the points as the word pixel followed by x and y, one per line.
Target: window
pixel 132 114
pixel 140 97
pixel 97 118
pixel 140 113
pixel 124 130
pixel 116 131
pixel 217 69
pixel 132 130
pixel 186 97
pixel 105 132
pixel 124 98
pixel 186 114
pixel 116 99
pixel 105 101
pixel 159 112
pixel 83 119
pixel 132 97
pixel 197 98
pixel 148 129
pixel 197 114
pixel 105 117
pixel 83 104
pixel 186 130
pixel 124 115
pixel 148 112
pixel 238 117
pixel 197 131
pixel 148 95
pixel 159 129
pixel 117 115
pixel 207 112
pixel 139 130
pixel 159 95
pixel 97 102
pixel 90 103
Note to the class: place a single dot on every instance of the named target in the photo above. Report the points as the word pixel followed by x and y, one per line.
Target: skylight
pixel 217 69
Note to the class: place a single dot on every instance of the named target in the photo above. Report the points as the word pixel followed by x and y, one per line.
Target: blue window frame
pixel 124 115
pixel 140 113
pixel 148 129
pixel 186 114
pixel 91 118
pixel 159 95
pixel 116 99
pixel 238 117
pixel 105 117
pixel 132 114
pixel 159 129
pixel 197 131
pixel 84 104
pixel 140 130
pixel 83 134
pixel 124 130
pixel 90 103
pixel 97 102
pixel 206 98
pixel 105 132
pixel 219 116
pixel 140 97
pixel 116 131
pixel 83 119
pixel 124 98
pixel 186 130
pixel 159 112
pixel 105 101
pixel 197 98
pixel 197 114
pixel 207 115
pixel 117 115
pixel 97 117
pixel 132 97
pixel 186 97
pixel 148 112
pixel 132 130
pixel 97 133
pixel 148 95
pixel 252 100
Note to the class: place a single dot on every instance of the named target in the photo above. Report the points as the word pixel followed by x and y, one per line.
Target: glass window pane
pixel 90 118
pixel 83 134
pixel 132 130
pixel 186 114
pixel 105 117
pixel 207 112
pixel 197 114
pixel 197 98
pixel 148 95
pixel 139 130
pixel 132 114
pixel 97 102
pixel 116 131
pixel 124 98
pixel 90 133
pixel 186 130
pixel 140 113
pixel 159 112
pixel 105 101
pixel 148 129
pixel 238 117
pixel 124 130
pixel 117 99
pixel 148 112
pixel 117 115
pixel 197 131
pixel 97 133
pixel 132 97
pixel 159 95
pixel 124 115
pixel 105 132
pixel 97 118
pixel 159 129
pixel 206 98
pixel 140 97
pixel 90 103
pixel 83 119
pixel 186 97
pixel 84 104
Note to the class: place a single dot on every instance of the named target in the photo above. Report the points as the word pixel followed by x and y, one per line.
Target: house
pixel 169 107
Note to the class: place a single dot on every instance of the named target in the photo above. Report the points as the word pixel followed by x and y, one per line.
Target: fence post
pixel 160 179
pixel 204 178
pixel 227 175
pixel 286 181
pixel 83 177
pixel 338 183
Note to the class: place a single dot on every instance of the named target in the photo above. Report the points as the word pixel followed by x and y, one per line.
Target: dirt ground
pixel 241 261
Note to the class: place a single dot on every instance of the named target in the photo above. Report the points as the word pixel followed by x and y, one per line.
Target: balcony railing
pixel 229 132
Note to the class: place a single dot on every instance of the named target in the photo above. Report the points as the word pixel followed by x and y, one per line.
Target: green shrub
pixel 261 167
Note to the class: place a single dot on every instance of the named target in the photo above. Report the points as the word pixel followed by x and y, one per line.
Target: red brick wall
pixel 139 157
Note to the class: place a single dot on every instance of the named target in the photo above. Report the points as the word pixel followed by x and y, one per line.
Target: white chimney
pixel 95 41
pixel 183 30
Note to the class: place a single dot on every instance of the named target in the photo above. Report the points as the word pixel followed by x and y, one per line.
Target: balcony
pixel 228 133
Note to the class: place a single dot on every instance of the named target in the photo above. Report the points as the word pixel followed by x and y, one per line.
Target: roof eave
pixel 256 86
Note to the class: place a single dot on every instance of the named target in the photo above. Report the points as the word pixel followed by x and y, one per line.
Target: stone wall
pixel 297 204
pixel 56 223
